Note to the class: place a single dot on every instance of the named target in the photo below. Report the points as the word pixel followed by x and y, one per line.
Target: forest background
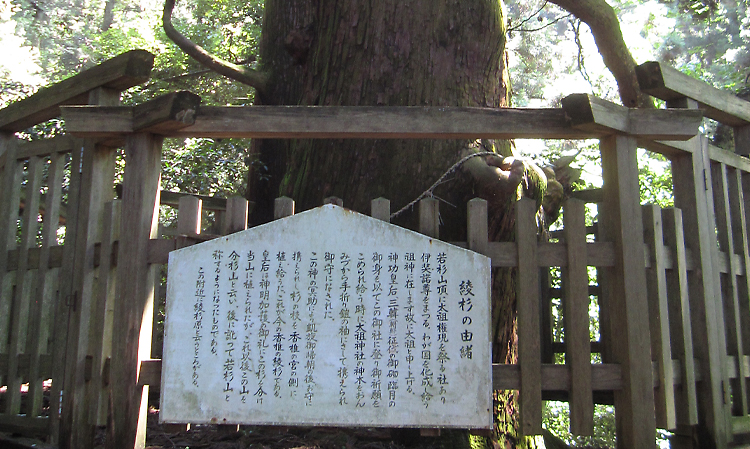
pixel 550 53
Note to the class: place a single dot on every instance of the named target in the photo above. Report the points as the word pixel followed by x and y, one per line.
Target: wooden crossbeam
pixel 598 116
pixel 667 83
pixel 362 122
pixel 119 73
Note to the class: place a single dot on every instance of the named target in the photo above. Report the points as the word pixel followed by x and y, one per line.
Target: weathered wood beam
pixel 597 116
pixel 45 147
pixel 338 122
pixel 119 73
pixel 167 113
pixel 325 122
pixel 209 202
pixel 667 83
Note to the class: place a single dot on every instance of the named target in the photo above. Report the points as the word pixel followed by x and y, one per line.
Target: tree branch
pixel 605 27
pixel 245 75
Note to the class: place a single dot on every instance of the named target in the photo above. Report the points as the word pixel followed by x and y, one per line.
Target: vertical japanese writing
pixel 230 334
pixel 427 374
pixel 328 286
pixel 215 310
pixel 377 335
pixel 392 328
pixel 246 361
pixel 360 334
pixel 263 331
pixel 465 291
pixel 294 336
pixel 344 317
pixel 278 336
pixel 200 295
pixel 409 321
pixel 311 338
pixel 441 273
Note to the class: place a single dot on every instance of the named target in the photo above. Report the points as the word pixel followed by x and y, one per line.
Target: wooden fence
pixel 77 306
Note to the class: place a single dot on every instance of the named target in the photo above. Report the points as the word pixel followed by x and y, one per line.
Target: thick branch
pixel 245 75
pixel 605 27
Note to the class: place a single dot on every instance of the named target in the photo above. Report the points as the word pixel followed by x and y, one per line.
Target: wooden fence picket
pixel 527 303
pixel 739 224
pixel 575 281
pixel 380 208
pixel 189 214
pixel 42 308
pixel 726 236
pixel 680 324
pixel 658 313
pixel 9 203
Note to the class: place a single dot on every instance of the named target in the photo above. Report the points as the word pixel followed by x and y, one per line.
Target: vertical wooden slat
pixel 527 303
pixel 605 292
pixel 10 197
pixel 476 225
pixel 692 194
pixel 283 207
pixel 189 214
pixel 23 295
pixel 621 224
pixel 96 188
pixel 97 394
pixel 730 297
pixel 739 224
pixel 134 300
pixel 575 280
pixel 380 209
pixel 656 284
pixel 236 216
pixel 681 334
pixel 40 309
pixel 545 315
pixel 59 432
pixel 429 217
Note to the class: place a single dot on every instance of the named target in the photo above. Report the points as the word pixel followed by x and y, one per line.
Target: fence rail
pixel 78 266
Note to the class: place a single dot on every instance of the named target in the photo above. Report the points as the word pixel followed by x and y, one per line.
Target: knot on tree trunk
pixel 297 43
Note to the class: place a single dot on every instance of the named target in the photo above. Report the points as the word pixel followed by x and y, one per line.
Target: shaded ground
pixel 251 437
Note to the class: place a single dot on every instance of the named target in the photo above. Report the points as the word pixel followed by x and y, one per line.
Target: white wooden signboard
pixel 328 317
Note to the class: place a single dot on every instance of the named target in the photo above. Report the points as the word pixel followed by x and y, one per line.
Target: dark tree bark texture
pixel 396 53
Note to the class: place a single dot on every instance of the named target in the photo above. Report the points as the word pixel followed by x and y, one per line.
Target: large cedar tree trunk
pixel 395 53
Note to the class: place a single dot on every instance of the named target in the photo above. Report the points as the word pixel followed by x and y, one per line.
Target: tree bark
pixel 396 53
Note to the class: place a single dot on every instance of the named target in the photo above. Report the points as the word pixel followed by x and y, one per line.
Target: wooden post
pixel 476 226
pixel 380 208
pixel 527 303
pixel 189 214
pixel 236 217
pixel 692 193
pixel 576 315
pixel 429 217
pixel 135 291
pixel 283 207
pixel 631 347
pixel 96 189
